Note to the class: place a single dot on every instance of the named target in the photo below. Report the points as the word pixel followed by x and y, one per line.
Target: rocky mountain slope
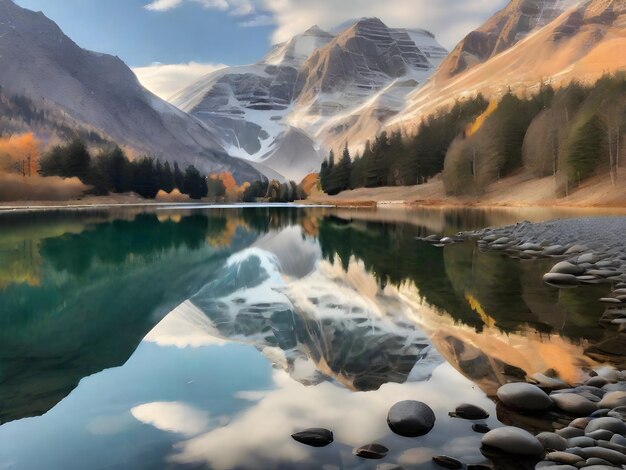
pixel 100 92
pixel 311 93
pixel 586 40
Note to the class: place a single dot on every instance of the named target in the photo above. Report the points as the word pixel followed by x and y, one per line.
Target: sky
pixel 174 42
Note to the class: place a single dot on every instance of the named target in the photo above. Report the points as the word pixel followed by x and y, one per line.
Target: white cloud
pixel 175 417
pixel 449 20
pixel 164 80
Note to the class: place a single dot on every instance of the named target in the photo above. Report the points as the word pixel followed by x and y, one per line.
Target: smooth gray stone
pixel 565 267
pixel 599 413
pixel 564 457
pixel 617 439
pixel 588 258
pixel 524 396
pixel 613 400
pixel 480 428
pixel 554 250
pixel 576 249
pixel 581 441
pixel 620 386
pixel 596 381
pixel 471 412
pixel 512 440
pixel 447 462
pixel 552 441
pixel 411 418
pixel 574 404
pixel 613 446
pixel 371 451
pixel 559 280
pixel 570 432
pixel 620 411
pixel 611 424
pixel 315 437
pixel 601 434
pixel 607 454
pixel 599 467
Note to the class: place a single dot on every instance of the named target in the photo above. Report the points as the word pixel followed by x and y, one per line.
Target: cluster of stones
pixel 407 418
pixel 590 421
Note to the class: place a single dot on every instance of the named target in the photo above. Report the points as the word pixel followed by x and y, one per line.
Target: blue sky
pixel 139 36
pixel 190 38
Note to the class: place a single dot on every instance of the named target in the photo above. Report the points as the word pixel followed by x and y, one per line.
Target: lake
pixel 203 338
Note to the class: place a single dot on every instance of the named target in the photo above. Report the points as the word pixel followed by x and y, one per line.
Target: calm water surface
pixel 205 338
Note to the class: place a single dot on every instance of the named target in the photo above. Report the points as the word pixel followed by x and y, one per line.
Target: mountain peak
pixel 315 30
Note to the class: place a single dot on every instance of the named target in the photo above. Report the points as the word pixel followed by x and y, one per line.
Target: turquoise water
pixel 205 338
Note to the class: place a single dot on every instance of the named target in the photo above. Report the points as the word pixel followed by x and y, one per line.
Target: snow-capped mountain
pixel 100 92
pixel 287 110
pixel 312 320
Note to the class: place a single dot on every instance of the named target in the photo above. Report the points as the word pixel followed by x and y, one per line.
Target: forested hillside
pixel 571 133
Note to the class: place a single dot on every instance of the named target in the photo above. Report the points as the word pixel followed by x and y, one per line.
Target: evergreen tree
pixel 194 183
pixel 167 178
pixel 179 178
pixel 339 179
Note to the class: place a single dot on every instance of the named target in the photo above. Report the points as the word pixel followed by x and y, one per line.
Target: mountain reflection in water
pixel 189 332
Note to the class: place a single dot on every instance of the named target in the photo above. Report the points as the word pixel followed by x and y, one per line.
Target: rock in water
pixel 512 440
pixel 481 428
pixel 411 418
pixel 314 437
pixel 471 412
pixel 524 396
pixel 573 404
pixel 447 462
pixel 371 451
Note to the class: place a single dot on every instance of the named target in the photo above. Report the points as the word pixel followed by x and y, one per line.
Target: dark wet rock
pixel 596 381
pixel 601 434
pixel 613 400
pixel 523 396
pixel 594 463
pixel 619 412
pixel 372 451
pixel 447 462
pixel 315 437
pixel 564 457
pixel 614 425
pixel 613 446
pixel 565 267
pixel 512 440
pixel 480 428
pixel 411 418
pixel 478 466
pixel 573 404
pixel 599 413
pixel 570 432
pixel 552 441
pixel 581 441
pixel 471 412
pixel 607 454
pixel 559 280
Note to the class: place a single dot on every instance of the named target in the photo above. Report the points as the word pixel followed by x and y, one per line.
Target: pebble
pixel 570 432
pixel 600 434
pixel 581 441
pixel 512 440
pixel 613 400
pixel 480 428
pixel 524 396
pixel 447 462
pixel 471 412
pixel 315 437
pixel 564 457
pixel 573 404
pixel 614 425
pixel 411 418
pixel 371 451
pixel 552 441
pixel 558 279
